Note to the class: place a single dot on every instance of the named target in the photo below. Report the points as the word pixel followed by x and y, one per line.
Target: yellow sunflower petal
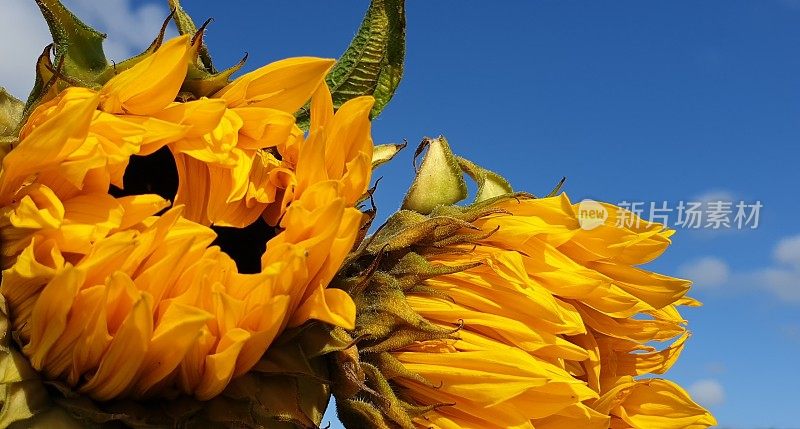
pixel 121 362
pixel 283 85
pixel 177 329
pixel 151 84
pixel 333 306
pixel 49 317
pixel 263 127
pixel 653 403
pixel 51 142
pixel 219 367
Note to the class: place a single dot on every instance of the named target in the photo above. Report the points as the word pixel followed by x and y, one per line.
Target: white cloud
pixel 716 195
pixel 23 36
pixel 783 282
pixel 781 278
pixel 788 251
pixel 708 392
pixel 710 203
pixel 706 272
pixel 130 26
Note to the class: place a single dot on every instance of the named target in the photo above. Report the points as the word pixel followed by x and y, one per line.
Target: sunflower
pixel 509 313
pixel 575 302
pixel 117 293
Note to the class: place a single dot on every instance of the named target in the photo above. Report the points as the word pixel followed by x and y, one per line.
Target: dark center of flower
pixel 245 245
pixel 157 174
pixel 152 174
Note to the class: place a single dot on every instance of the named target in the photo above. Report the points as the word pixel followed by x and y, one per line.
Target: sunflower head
pixel 506 313
pixel 169 233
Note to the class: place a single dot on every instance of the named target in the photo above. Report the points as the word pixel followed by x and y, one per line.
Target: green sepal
pixel 384 153
pixel 25 401
pixel 362 374
pixel 202 79
pixel 80 46
pixel 75 58
pixel 373 63
pixel 379 404
pixel 557 189
pixel 11 111
pixel 397 235
pixel 47 82
pixel 412 269
pixel 439 180
pixel 186 25
pixel 490 184
pixel 446 225
pixel 294 396
pixel 359 413
pixel 202 83
pixel 132 61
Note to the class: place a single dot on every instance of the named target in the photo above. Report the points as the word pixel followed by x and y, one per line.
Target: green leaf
pixel 373 63
pixel 80 46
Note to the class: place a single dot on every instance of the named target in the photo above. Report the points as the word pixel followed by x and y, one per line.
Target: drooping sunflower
pixel 508 313
pixel 115 299
pixel 170 233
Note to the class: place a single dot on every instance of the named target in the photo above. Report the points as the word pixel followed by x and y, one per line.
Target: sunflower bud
pixel 439 179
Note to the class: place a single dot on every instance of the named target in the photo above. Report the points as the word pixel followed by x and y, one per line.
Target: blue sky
pixel 631 100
